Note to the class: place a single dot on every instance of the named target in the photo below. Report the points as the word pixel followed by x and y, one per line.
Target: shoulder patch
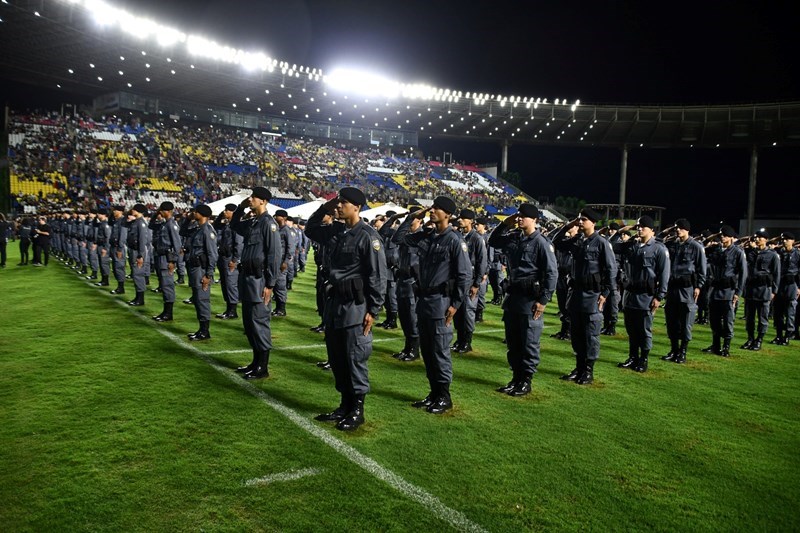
pixel 552 249
pixel 273 227
pixel 376 244
pixel 212 235
pixel 464 246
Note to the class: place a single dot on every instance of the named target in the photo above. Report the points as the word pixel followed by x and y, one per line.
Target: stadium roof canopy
pixel 65 44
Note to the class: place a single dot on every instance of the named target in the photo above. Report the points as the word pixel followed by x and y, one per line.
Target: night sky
pixel 616 52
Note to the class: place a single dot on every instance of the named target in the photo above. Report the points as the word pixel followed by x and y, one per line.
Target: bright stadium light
pixel 362 83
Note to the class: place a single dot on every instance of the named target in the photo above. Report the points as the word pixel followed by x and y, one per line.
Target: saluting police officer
pixel 356 291
pixel 407 276
pixel 532 281
pixel 288 246
pixel 476 249
pixel 201 258
pixel 444 278
pixel 594 269
pixel 166 246
pixel 138 240
pixel 647 273
pixel 729 270
pixel 102 240
pixel 258 273
pixel 230 250
pixel 763 276
pixel 788 292
pixel 386 230
pixel 687 277
pixel 118 241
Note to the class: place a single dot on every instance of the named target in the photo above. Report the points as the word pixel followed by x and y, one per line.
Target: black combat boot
pixel 390 322
pixel 93 275
pixel 522 387
pixel 262 367
pixel 587 376
pixel 714 348
pixel 428 400
pixel 756 346
pixel 641 362
pixel 680 358
pixel 478 315
pixel 232 313
pixel 630 362
pixel 726 348
pixel 337 414
pixel 201 334
pixel 413 350
pixel 166 314
pixel 580 363
pixel 507 388
pixel 749 343
pixel 253 364
pixel 138 301
pixel 442 402
pixel 354 417
pixel 673 351
pixel 103 282
pixel 120 289
pixel 466 345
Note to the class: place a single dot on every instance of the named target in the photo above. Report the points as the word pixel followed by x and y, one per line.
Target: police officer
pixel 287 262
pixel 611 308
pixel 729 269
pixel 480 228
pixel 476 248
pixel 647 271
pixel 201 258
pixel 102 238
pixel 763 277
pixel 533 275
pixel 496 274
pixel 230 250
pixel 407 275
pixel 564 262
pixel 355 293
pixel 258 273
pixel 117 249
pixel 444 279
pixel 166 246
pixel 593 272
pixel 788 292
pixel 687 277
pixel 91 243
pixel 138 240
pixel 386 230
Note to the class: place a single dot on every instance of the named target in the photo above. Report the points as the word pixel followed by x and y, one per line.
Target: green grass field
pixel 111 422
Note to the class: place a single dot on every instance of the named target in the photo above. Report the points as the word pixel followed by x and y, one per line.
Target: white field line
pixel 291 475
pixel 455 518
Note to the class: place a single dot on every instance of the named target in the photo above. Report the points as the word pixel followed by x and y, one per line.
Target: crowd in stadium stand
pixel 80 163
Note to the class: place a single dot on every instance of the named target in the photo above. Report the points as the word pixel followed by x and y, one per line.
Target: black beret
pixel 281 213
pixel 140 208
pixel 391 213
pixel 482 220
pixel 230 207
pixel 467 214
pixel 529 210
pixel 590 213
pixel 93 211
pixel 290 219
pixel 414 208
pixel 727 231
pixel 761 233
pixel 262 193
pixel 787 235
pixel 353 195
pixel 203 210
pixel 614 226
pixel 682 223
pixel 166 206
pixel 118 208
pixel 445 204
pixel 301 222
pixel 646 222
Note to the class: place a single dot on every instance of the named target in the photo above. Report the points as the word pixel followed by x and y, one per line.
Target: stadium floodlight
pixel 361 83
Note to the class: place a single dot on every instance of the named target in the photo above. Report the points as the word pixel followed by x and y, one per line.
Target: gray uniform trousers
pixel 786 308
pixel 118 264
pixel 680 318
pixel 407 308
pixel 228 280
pixel 391 296
pixel 94 257
pixel 165 280
pixel 201 298
pixel 522 336
pixel 105 260
pixel 465 318
pixel 721 315
pixel 584 330
pixel 756 309
pixel 281 293
pixel 639 326
pixel 348 352
pixel 139 274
